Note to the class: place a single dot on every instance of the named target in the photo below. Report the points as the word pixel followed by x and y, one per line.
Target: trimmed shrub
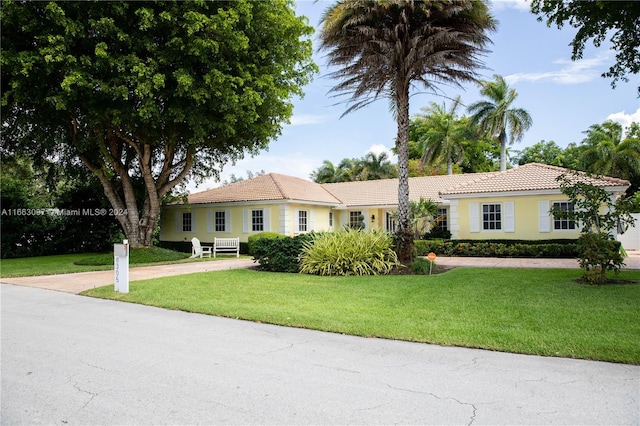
pixel 499 248
pixel 280 254
pixel 349 252
pixel 255 237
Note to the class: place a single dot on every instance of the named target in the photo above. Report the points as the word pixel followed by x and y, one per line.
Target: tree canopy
pixel 149 92
pixel 597 20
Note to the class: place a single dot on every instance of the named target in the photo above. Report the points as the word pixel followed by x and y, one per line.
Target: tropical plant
pixel 608 153
pixel 497 118
pixel 384 48
pixel 377 167
pixel 442 134
pixel 599 215
pixel 149 92
pixel 542 152
pixel 422 216
pixel 349 252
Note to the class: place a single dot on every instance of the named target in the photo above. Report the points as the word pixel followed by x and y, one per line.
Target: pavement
pixel 81 281
pixel 73 360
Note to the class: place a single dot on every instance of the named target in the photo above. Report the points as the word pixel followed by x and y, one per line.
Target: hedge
pixel 499 248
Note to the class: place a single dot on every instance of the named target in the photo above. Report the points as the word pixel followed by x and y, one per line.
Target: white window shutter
pixel 509 217
pixel 266 216
pixel 178 222
pixel 344 219
pixel 296 220
pixel 245 220
pixel 311 221
pixel 194 221
pixel 544 219
pixel 227 221
pixel 210 221
pixel 474 217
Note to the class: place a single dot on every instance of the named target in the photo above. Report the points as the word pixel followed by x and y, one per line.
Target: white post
pixel 121 267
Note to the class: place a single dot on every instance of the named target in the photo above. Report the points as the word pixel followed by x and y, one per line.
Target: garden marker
pixel 431 257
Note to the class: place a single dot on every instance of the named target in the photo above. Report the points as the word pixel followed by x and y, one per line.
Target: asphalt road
pixel 74 360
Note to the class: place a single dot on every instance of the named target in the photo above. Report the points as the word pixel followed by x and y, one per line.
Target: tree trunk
pixel 138 223
pixel 502 138
pixel 404 236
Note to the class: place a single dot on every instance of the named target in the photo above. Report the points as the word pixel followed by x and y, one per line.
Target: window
pixel 220 221
pixel 356 220
pixel 442 222
pixel 331 219
pixel 302 220
pixel 186 222
pixel 390 222
pixel 491 217
pixel 257 220
pixel 563 223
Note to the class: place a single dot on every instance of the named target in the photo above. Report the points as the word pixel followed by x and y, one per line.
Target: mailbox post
pixel 121 267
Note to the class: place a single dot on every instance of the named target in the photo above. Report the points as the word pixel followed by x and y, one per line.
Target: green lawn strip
pixel 85 262
pixel 534 311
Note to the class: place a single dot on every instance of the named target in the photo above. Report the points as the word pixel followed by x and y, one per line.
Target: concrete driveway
pixel 73 360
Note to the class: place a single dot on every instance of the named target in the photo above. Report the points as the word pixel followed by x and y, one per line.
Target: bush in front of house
pixel 349 252
pixel 499 248
pixel 260 235
pixel 280 254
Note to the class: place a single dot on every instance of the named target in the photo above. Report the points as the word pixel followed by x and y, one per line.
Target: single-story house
pixel 514 204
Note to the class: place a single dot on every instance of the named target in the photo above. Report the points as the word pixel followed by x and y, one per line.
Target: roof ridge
pixel 278 186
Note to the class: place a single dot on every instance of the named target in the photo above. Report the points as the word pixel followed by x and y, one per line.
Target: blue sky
pixel 563 98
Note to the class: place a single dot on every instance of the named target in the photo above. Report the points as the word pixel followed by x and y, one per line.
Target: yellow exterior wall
pixel 526 219
pixel 282 219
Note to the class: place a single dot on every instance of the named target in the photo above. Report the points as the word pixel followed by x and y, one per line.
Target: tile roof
pixel 273 187
pixel 267 187
pixel 385 192
pixel 529 177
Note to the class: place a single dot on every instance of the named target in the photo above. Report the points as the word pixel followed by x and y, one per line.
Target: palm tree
pixel 377 167
pixel 607 153
pixel 497 118
pixel 443 134
pixel 327 173
pixel 384 48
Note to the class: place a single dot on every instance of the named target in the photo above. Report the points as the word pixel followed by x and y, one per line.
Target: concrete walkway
pixel 81 281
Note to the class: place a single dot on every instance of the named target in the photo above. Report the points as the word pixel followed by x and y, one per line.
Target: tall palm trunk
pixel 404 242
pixel 502 139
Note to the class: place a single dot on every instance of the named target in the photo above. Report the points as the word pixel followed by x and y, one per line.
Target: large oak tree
pixel 146 94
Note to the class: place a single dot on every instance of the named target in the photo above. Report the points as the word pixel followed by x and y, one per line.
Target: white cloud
pixel 511 4
pixel 306 119
pixel 574 72
pixel 378 149
pixel 624 118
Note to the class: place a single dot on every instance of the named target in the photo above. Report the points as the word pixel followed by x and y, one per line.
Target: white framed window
pixel 302 220
pixel 187 225
pixel 220 221
pixel 491 217
pixel 390 223
pixel 563 224
pixel 356 220
pixel 257 220
pixel 442 219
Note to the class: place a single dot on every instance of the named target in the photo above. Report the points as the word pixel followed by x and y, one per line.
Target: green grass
pixel 69 263
pixel 541 312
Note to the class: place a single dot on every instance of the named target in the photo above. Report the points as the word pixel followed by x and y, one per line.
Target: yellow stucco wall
pixel 526 218
pixel 281 217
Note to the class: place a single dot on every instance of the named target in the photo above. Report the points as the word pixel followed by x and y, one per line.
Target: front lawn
pixel 83 262
pixel 535 311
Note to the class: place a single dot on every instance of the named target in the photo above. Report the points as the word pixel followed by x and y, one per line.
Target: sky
pixel 563 97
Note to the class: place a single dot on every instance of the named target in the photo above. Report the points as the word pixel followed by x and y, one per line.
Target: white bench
pixel 226 245
pixel 198 249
